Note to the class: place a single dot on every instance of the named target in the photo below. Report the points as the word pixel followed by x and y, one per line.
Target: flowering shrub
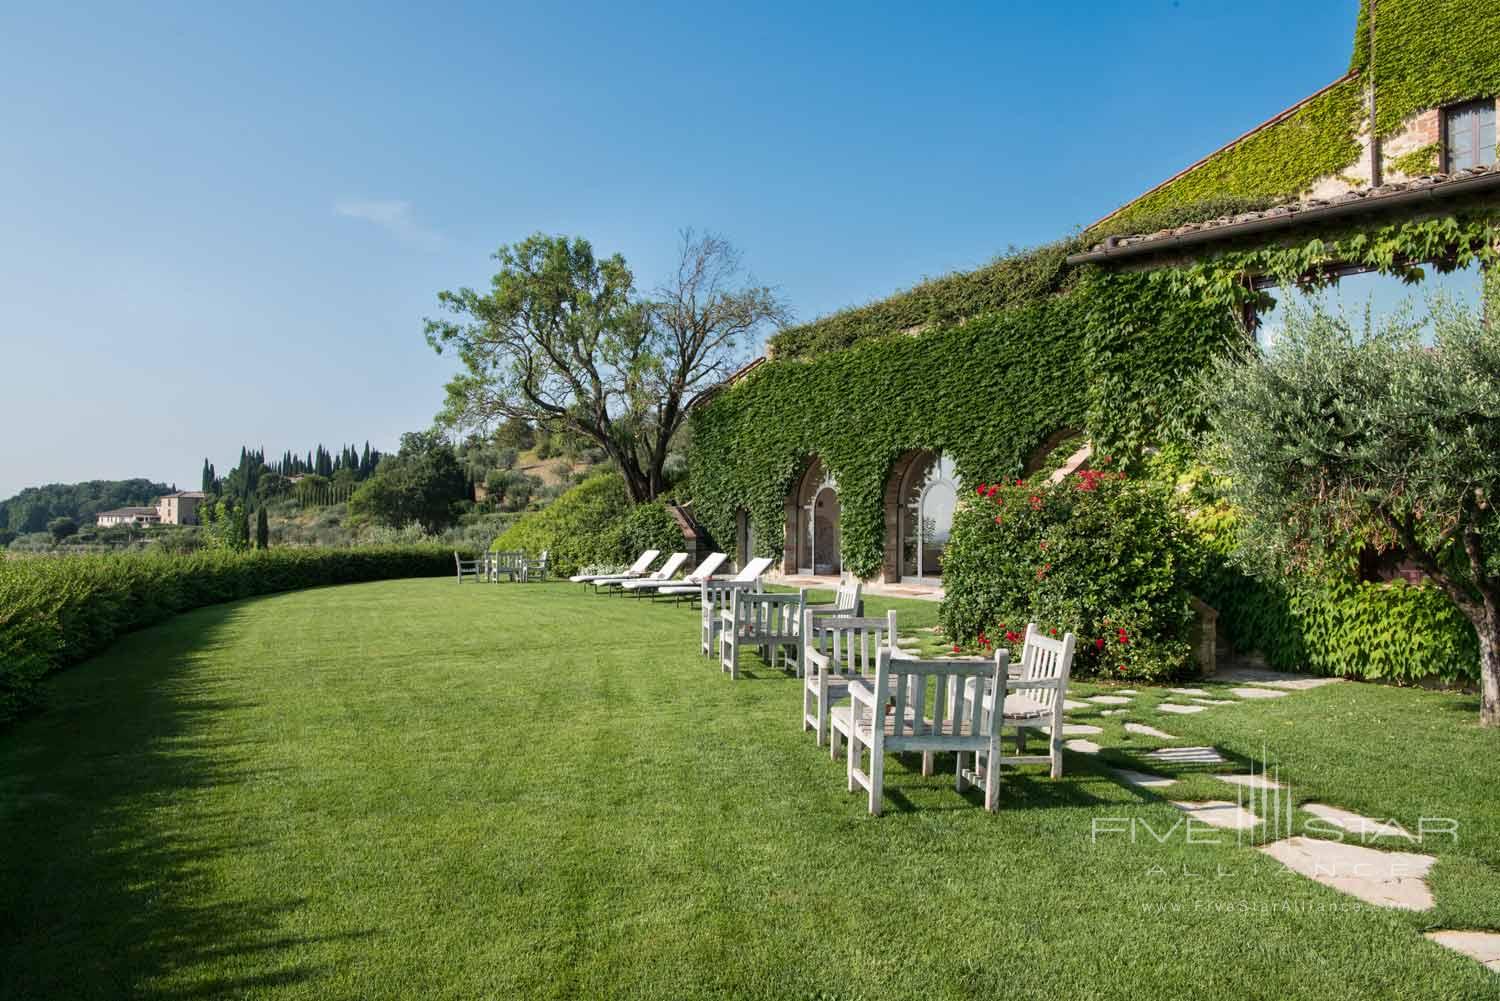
pixel 1099 555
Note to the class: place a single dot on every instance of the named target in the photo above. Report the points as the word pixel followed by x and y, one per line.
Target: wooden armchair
pixel 1034 699
pixel 889 714
pixel 769 622
pixel 835 651
pixel 467 568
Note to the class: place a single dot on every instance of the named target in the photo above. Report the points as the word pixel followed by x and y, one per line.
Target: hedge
pixel 593 523
pixel 58 611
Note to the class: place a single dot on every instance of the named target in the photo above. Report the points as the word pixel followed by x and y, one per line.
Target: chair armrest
pixel 862 692
pixel 817 660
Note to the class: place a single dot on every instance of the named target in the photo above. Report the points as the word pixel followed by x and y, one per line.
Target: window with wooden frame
pixel 1469 135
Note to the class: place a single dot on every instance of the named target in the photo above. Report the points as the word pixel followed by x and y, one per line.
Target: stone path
pixel 1356 824
pixel 1387 879
pixel 1260 693
pixel 1076 729
pixel 1143 779
pixel 1082 746
pixel 1253 781
pixel 1180 710
pixel 1109 700
pixel 1187 756
pixel 1481 945
pixel 1148 731
pixel 1219 813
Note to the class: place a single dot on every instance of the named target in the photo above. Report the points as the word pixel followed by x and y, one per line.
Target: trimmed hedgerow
pixel 1101 556
pixel 55 612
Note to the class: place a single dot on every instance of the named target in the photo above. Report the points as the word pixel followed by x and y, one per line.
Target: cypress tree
pixel 262 530
pixel 208 476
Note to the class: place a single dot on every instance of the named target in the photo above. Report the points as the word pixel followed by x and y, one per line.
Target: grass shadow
pixel 107 866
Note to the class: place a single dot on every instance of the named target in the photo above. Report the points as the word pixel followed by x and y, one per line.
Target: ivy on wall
pixel 1428 53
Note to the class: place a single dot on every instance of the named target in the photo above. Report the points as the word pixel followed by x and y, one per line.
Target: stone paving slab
pixel 1180 710
pixel 1128 691
pixel 1112 712
pixel 1144 780
pixel 1215 702
pixel 1188 691
pixel 1260 693
pixel 1148 731
pixel 1187 756
pixel 1075 730
pixel 1219 813
pixel 1386 879
pixel 1070 704
pixel 1481 945
pixel 1356 823
pixel 1255 781
pixel 1278 679
pixel 1082 746
pixel 1109 700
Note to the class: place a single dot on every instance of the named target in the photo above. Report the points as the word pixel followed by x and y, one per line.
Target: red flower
pixel 1123 638
pixel 1099 643
pixel 1011 636
pixel 994 489
pixel 1036 502
pixel 980 489
pixel 1000 501
pixel 1053 630
pixel 955 648
pixel 999 520
pixel 1043 545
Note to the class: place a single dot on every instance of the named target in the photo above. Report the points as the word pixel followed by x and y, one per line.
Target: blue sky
pixel 225 226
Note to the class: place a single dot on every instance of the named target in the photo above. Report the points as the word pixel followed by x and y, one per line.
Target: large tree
pixel 1337 438
pixel 563 340
pixel 421 483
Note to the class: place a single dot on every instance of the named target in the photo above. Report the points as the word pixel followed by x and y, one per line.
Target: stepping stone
pixel 1299 684
pixel 1110 700
pixel 1481 945
pixel 1082 746
pixel 1253 781
pixel 1070 704
pixel 1075 730
pixel 1142 779
pixel 1216 702
pixel 1187 691
pixel 1187 756
pixel 1356 824
pixel 1128 691
pixel 1148 731
pixel 1173 707
pixel 1259 693
pixel 1112 712
pixel 1276 679
pixel 1386 879
pixel 1219 813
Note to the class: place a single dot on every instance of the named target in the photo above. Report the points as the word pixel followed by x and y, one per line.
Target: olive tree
pixel 1343 435
pixel 562 340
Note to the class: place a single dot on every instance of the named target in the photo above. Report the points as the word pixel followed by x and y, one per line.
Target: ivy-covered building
pixel 851 447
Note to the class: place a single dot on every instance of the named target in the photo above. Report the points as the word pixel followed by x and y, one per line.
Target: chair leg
pixel 1020 740
pixel 1057 747
pixel 928 758
pixel 959 782
pixel 877 772
pixel 851 754
pixel 992 778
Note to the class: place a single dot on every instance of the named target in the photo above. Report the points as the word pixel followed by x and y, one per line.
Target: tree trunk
pixel 1489 664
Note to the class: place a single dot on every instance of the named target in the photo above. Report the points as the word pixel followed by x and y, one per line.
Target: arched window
pixel 929 496
pixel 817 513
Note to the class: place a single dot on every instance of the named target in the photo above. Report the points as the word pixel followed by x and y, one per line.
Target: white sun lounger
pixel 705 571
pixel 664 574
pixel 753 571
pixel 636 569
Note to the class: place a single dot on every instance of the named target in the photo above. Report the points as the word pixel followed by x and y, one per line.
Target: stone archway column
pixel 789 539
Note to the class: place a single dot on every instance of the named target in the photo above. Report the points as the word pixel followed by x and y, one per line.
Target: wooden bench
pixel 768 622
pixel 835 651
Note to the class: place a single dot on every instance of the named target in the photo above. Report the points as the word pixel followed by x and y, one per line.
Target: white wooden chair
pixel 505 563
pixel 705 571
pixel 665 574
pixel 535 569
pixel 714 595
pixel 768 622
pixel 467 568
pixel 835 651
pixel 889 715
pixel 1033 700
pixel 845 600
pixel 638 568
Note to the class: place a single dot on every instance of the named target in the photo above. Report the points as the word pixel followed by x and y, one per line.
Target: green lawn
pixel 418 788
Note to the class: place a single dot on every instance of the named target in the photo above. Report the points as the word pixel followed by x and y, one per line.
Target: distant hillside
pixel 32 508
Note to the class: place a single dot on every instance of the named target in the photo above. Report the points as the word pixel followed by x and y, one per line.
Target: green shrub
pixel 577 528
pixel 1101 556
pixel 647 526
pixel 55 612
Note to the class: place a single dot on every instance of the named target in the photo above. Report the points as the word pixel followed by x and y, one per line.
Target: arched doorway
pixel 927 499
pixel 815 516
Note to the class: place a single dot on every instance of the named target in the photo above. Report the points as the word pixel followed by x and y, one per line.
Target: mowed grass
pixel 424 789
